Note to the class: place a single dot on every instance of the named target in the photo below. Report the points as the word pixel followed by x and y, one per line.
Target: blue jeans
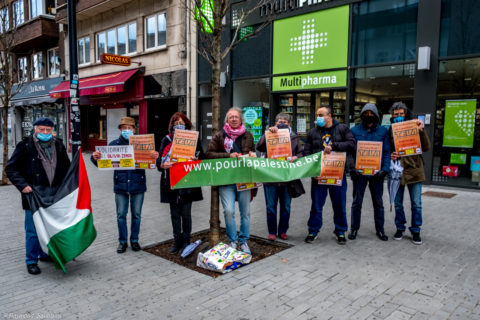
pixel 376 191
pixel 136 203
pixel 415 190
pixel 338 195
pixel 227 197
pixel 273 195
pixel 33 251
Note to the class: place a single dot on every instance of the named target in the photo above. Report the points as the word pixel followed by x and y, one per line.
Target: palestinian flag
pixel 64 220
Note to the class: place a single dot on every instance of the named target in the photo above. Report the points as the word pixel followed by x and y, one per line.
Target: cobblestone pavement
pixel 366 279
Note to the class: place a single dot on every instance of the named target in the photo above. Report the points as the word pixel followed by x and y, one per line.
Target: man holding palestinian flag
pixel 55 197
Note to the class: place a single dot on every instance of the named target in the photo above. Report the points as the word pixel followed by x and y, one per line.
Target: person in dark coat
pixel 329 135
pixel 278 192
pixel 40 161
pixel 370 130
pixel 180 200
pixel 128 186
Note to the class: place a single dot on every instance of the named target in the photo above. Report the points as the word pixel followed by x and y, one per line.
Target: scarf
pixel 48 155
pixel 166 152
pixel 232 134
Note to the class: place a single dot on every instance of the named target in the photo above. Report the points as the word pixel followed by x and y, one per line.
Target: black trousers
pixel 181 215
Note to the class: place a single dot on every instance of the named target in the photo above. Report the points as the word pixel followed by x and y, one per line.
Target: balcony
pixel 40 32
pixel 87 8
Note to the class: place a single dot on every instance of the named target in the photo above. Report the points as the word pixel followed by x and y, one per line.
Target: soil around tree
pixel 260 247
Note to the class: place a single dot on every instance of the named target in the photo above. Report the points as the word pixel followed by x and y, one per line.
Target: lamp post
pixel 74 80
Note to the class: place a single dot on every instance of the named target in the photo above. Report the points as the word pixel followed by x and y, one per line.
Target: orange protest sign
pixel 369 157
pixel 406 138
pixel 278 144
pixel 184 145
pixel 143 147
pixel 333 166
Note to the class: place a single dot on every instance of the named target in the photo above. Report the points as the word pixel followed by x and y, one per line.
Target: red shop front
pixel 104 99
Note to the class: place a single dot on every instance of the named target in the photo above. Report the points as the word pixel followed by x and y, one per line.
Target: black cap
pixel 44 121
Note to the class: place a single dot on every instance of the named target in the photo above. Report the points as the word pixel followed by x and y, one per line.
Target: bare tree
pixel 211 17
pixel 8 42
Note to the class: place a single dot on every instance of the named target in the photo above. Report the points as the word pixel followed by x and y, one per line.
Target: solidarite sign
pixel 114 59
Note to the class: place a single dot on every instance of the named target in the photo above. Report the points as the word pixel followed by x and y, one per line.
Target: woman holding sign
pixel 233 141
pixel 181 144
pixel 285 145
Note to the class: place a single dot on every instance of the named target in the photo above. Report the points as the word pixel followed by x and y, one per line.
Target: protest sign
pixel 184 145
pixel 248 186
pixel 406 138
pixel 333 166
pixel 143 147
pixel 116 158
pixel 278 144
pixel 369 157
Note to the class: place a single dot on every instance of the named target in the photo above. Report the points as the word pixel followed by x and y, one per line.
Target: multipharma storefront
pixel 347 53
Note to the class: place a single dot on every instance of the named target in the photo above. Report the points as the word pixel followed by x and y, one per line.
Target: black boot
pixel 177 244
pixel 186 242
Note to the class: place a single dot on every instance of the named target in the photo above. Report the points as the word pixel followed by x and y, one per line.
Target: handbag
pixel 295 188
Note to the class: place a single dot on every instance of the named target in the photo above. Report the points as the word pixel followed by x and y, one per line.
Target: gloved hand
pixel 380 175
pixel 354 174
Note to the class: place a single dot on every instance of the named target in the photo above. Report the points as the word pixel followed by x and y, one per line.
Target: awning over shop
pixel 101 84
pixel 35 92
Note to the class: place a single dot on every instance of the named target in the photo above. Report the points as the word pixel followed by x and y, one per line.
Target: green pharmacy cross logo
pixel 309 41
pixel 466 121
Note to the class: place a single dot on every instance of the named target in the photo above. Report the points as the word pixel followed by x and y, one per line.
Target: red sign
pixel 114 59
pixel 450 171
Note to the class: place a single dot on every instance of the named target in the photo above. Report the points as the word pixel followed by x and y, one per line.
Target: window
pixel 37 65
pixel 18 12
pixel 4 21
pixel 155 31
pixel 36 8
pixel 53 62
pixel 120 40
pixel 22 69
pixel 84 50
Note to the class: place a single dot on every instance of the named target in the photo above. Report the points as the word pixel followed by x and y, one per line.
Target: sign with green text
pixel 459 123
pixel 313 41
pixel 319 80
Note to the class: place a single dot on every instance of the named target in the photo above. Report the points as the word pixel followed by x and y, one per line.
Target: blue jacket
pixel 375 133
pixel 127 181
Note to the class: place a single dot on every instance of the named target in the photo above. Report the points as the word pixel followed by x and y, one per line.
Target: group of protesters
pixel 41 160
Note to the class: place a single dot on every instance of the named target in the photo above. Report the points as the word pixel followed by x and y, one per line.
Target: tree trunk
pixel 5 144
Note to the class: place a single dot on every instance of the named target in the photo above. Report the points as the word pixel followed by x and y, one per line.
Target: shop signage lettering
pixel 115 59
pixel 279 6
pixel 36 88
pixel 332 79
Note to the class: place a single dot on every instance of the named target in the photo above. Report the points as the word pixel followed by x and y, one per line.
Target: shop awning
pixel 35 92
pixel 101 84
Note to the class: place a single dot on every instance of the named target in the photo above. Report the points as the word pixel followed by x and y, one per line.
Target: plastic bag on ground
pixel 222 258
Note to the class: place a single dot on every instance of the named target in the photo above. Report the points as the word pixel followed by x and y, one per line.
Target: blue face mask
pixel 44 136
pixel 179 127
pixel 321 121
pixel 398 119
pixel 126 134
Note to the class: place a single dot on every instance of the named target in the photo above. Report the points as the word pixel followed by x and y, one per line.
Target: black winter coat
pixel 178 196
pixel 25 167
pixel 342 141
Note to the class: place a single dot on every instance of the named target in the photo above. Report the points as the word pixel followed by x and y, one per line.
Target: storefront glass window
pixel 456 147
pixel 460 27
pixel 382 86
pixel 384 31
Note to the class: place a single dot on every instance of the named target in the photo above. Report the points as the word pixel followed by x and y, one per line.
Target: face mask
pixel 126 134
pixel 398 119
pixel 282 126
pixel 179 127
pixel 44 136
pixel 368 119
pixel 321 121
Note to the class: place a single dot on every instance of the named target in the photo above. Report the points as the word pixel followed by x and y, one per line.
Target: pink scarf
pixel 232 134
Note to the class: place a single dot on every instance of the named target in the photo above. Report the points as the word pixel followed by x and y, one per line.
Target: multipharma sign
pixel 459 123
pixel 309 42
pixel 319 80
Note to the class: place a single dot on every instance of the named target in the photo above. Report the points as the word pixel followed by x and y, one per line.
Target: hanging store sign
pixel 459 126
pixel 108 58
pixel 308 81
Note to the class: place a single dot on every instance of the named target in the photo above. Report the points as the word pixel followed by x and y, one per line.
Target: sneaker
pixel 416 238
pixel 244 247
pixel 283 236
pixel 311 237
pixel 353 234
pixel 233 245
pixel 398 235
pixel 341 238
pixel 272 237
